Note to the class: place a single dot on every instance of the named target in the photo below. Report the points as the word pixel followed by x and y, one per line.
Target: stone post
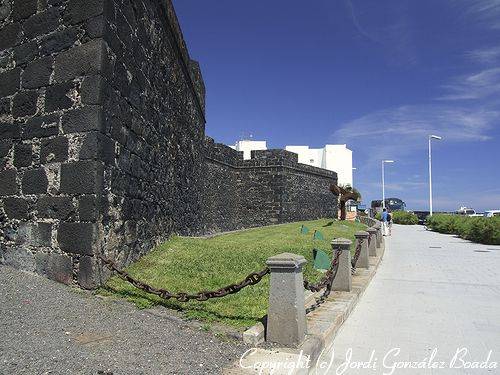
pixel 362 237
pixel 343 279
pixel 372 247
pixel 378 227
pixel 286 318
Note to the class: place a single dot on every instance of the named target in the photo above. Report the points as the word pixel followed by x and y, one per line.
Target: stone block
pixel 5 106
pixel 95 27
pixel 9 131
pixel 58 97
pixel 37 73
pixel 34 234
pixel 88 208
pixel 76 238
pixel 97 145
pixel 61 208
pixel 78 10
pixel 5 148
pixel 254 335
pixel 82 177
pixel 78 61
pixel 23 155
pixel 9 184
pixel 41 126
pixel 42 23
pixel 24 104
pixel 25 52
pixel 54 150
pixel 10 35
pixel 5 9
pixel 92 90
pixel 35 181
pixel 23 9
pixel 19 257
pixel 16 208
pixel 9 82
pixel 83 119
pixel 56 267
pixel 58 41
pixel 86 274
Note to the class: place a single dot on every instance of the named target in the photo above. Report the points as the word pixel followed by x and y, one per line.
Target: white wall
pixel 337 158
pixel 248 146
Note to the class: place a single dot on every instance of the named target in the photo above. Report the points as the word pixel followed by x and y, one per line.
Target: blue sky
pixel 379 76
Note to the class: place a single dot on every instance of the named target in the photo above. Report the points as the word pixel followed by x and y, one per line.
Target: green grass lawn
pixel 194 264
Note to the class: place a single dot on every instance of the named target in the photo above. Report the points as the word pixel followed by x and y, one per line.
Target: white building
pixel 337 158
pixel 248 146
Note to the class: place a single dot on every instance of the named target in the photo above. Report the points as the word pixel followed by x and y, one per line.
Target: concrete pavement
pixel 432 295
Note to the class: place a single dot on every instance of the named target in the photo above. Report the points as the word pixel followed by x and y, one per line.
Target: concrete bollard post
pixel 343 279
pixel 378 227
pixel 363 260
pixel 372 247
pixel 286 318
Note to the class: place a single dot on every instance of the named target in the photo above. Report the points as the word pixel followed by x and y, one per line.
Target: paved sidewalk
pixel 48 328
pixel 431 292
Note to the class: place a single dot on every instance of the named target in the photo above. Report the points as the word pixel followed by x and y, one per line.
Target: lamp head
pixel 435 137
pixel 387 161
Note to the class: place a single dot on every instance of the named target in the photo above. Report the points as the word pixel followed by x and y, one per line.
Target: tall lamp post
pixel 431 137
pixel 383 180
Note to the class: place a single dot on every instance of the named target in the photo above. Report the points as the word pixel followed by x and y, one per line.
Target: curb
pixel 336 309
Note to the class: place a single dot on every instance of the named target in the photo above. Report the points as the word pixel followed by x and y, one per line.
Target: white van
pixel 492 213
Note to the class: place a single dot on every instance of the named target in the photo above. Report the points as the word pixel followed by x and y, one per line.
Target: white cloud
pixel 486 12
pixel 406 124
pixel 474 86
pixel 490 55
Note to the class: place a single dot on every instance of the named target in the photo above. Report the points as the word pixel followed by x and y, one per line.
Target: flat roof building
pixel 337 158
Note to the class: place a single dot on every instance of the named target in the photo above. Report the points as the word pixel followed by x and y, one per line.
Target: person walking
pixel 389 223
pixel 385 216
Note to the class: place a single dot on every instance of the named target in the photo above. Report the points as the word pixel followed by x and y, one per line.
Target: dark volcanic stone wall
pixel 50 173
pixel 101 133
pixel 270 188
pixel 154 100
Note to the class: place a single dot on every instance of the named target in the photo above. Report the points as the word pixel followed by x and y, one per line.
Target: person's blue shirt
pixel 384 216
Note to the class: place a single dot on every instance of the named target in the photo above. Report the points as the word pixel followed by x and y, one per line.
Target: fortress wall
pixel 101 133
pixel 271 188
pixel 103 148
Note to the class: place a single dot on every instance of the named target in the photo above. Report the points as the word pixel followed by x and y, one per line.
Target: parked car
pixel 492 213
pixel 466 211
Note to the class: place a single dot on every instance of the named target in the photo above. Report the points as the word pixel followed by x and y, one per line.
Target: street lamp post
pixel 383 180
pixel 431 137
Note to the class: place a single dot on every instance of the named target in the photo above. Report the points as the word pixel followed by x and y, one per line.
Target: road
pixel 432 295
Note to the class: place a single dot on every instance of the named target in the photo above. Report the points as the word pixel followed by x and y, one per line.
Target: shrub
pixel 478 229
pixel 404 218
pixel 401 217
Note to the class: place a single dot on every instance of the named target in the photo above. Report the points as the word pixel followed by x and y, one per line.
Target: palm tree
pixel 345 193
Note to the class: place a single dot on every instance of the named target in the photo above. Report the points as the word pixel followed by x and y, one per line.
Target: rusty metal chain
pixel 251 279
pixel 326 283
pixel 354 260
pixel 327 278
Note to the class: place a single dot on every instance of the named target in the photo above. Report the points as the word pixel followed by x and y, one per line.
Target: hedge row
pixel 402 217
pixel 478 229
